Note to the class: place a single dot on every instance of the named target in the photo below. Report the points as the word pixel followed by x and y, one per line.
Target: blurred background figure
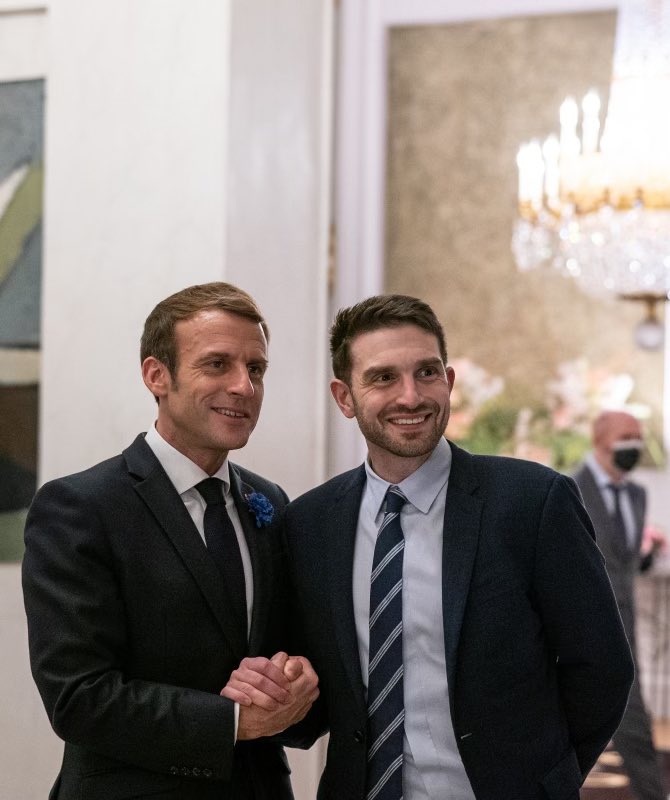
pixel 617 507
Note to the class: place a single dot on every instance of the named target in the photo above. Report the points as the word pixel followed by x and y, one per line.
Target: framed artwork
pixel 21 171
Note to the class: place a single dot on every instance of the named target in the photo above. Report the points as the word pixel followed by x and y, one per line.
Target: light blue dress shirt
pixel 433 769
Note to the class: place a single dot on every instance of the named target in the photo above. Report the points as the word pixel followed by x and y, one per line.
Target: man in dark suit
pixel 617 509
pixel 149 577
pixel 456 607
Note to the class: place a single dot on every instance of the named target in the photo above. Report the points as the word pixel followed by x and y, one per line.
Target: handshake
pixel 272 694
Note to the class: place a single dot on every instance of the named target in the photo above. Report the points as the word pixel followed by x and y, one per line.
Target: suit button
pixel 207 772
pixel 196 772
pixel 174 770
pixel 359 737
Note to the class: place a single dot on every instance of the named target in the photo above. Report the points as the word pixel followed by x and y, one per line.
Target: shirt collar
pixel 422 486
pixel 183 472
pixel 601 477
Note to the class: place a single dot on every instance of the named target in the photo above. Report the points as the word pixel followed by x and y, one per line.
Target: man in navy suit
pixel 502 668
pixel 149 577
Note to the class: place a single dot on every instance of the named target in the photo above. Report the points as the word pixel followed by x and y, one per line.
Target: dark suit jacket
pixel 131 640
pixel 537 661
pixel 622 563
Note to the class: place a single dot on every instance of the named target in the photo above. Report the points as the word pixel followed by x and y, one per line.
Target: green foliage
pixel 568 449
pixel 492 430
pixel 497 429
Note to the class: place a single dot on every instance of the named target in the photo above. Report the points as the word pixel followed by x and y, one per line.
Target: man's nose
pixel 409 393
pixel 239 382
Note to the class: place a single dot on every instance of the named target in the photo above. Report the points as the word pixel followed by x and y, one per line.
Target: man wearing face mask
pixel 617 508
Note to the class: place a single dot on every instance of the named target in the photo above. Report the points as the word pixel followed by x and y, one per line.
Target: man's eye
pixel 256 371
pixel 217 364
pixel 385 377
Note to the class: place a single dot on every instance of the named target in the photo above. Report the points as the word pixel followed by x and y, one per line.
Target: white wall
pixel 279 179
pixel 154 182
pixel 279 191
pixel 137 121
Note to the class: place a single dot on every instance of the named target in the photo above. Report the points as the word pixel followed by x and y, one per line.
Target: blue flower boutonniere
pixel 261 507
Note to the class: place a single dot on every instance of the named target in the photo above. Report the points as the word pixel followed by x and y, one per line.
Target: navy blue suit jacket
pixel 131 640
pixel 536 657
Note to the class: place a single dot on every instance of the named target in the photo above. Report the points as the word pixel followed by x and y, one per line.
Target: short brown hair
pixel 380 311
pixel 158 338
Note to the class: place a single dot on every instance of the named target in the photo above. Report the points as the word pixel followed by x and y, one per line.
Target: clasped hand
pixel 273 694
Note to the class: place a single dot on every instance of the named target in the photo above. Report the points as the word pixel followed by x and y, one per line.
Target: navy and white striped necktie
pixel 386 711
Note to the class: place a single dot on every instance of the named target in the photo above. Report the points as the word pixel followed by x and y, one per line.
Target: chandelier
pixel 596 206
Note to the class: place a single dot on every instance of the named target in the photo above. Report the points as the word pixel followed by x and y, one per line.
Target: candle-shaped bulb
pixel 569 113
pixel 590 122
pixel 527 160
pixel 535 173
pixel 591 104
pixel 551 150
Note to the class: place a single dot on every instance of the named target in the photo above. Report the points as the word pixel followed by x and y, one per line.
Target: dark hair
pixel 158 338
pixel 381 311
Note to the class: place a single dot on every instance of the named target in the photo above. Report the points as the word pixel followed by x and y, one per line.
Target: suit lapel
pixel 160 496
pixel 462 519
pixel 616 546
pixel 339 531
pixel 460 539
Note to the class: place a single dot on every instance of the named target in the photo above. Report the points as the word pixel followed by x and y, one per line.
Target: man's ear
pixel 156 377
pixel 342 394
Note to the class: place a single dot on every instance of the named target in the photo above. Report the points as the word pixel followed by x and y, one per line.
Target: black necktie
pixel 223 546
pixel 386 709
pixel 617 517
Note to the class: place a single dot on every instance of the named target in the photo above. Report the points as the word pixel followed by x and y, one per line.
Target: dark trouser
pixel 634 743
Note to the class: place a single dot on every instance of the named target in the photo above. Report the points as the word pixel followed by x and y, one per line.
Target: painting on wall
pixel 21 171
pixel 535 357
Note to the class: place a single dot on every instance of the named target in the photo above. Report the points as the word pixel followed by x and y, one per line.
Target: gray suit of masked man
pixel 617 509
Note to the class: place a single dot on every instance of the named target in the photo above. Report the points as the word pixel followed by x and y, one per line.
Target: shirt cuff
pixel 237 721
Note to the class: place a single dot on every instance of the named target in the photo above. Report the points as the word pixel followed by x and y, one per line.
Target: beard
pixel 394 440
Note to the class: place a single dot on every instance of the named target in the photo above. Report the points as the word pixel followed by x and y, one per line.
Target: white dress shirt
pixel 433 769
pixel 185 474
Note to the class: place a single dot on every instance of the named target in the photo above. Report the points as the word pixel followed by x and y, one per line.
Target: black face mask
pixel 626 454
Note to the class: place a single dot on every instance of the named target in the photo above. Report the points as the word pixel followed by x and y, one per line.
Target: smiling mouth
pixel 417 420
pixel 227 412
